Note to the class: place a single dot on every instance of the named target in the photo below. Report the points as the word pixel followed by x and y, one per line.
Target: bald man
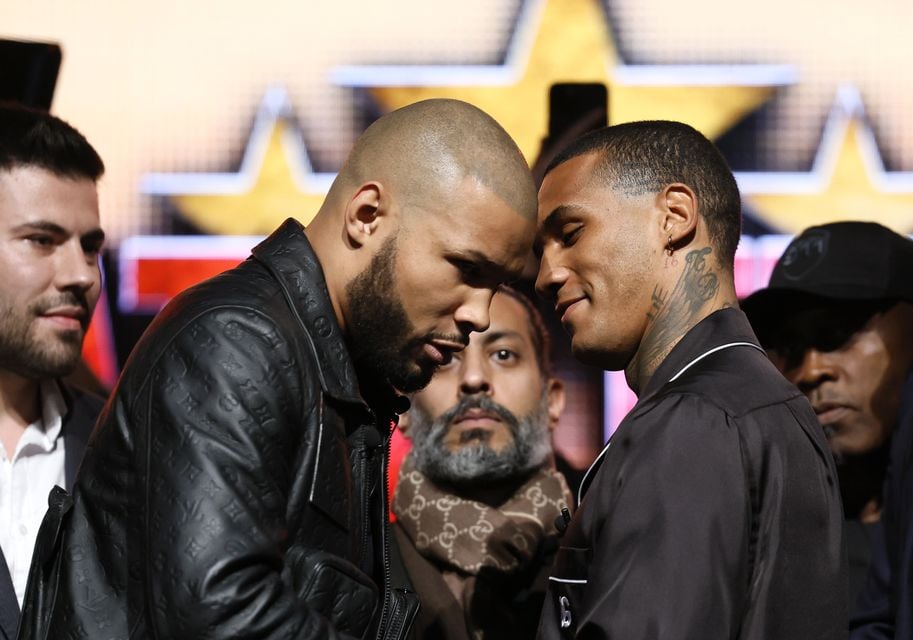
pixel 235 484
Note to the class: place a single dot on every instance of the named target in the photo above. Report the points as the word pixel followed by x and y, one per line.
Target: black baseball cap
pixel 840 261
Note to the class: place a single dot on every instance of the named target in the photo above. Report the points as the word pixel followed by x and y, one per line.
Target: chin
pixel 415 380
pixel 599 357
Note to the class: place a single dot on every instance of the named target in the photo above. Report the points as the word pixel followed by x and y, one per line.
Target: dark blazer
pixel 82 410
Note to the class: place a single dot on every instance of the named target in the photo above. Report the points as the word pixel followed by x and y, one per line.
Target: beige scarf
pixel 469 535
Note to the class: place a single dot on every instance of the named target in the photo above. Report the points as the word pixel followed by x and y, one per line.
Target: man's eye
pixel 92 248
pixel 569 234
pixel 41 240
pixel 470 271
pixel 504 355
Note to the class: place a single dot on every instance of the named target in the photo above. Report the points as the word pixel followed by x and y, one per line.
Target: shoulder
pixel 675 427
pixel 737 381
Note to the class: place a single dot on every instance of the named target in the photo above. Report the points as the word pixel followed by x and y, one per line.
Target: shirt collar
pixel 53 409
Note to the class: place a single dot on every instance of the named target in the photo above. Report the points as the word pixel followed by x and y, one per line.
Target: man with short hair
pixel 713 512
pixel 836 319
pixel 478 495
pixel 235 486
pixel 50 280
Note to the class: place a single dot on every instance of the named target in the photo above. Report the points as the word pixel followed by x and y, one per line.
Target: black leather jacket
pixel 234 486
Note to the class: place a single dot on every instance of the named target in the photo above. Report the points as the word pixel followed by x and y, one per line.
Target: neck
pixel 698 287
pixel 323 239
pixel 20 406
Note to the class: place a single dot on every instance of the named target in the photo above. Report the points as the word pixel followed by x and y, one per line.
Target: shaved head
pixel 433 209
pixel 426 149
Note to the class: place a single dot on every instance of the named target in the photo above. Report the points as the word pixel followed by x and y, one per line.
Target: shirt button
pixel 23 529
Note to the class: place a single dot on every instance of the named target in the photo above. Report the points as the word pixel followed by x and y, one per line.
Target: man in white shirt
pixel 50 280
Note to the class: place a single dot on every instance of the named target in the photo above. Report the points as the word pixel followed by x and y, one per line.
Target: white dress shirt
pixel 26 479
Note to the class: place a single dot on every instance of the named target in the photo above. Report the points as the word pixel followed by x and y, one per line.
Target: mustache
pixel 64 299
pixel 483 403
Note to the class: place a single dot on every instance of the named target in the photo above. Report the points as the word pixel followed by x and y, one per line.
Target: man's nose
pixel 550 277
pixel 475 375
pixel 815 368
pixel 473 314
pixel 76 268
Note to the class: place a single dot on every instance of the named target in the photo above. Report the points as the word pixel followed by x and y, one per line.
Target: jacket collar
pixel 288 255
pixel 718 330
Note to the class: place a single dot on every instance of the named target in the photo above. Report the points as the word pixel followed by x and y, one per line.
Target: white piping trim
pixel 714 350
pixel 672 379
pixel 587 474
pixel 567 580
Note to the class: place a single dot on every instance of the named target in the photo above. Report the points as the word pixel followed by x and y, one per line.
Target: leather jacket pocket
pixel 336 589
pixel 330 459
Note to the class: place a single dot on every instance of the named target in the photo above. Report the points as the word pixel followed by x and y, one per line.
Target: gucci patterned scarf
pixel 468 535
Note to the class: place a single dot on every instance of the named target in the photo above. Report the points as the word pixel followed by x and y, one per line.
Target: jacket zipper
pixel 385 537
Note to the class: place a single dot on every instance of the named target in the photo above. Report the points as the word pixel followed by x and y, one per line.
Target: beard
pixel 35 358
pixel 479 464
pixel 380 333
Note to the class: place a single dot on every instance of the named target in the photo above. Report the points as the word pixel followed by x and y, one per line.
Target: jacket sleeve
pixel 222 412
pixel 670 561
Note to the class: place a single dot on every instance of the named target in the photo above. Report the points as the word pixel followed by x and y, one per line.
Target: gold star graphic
pixel 848 180
pixel 274 182
pixel 568 41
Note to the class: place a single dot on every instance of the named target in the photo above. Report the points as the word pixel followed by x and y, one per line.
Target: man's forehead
pixel 509 318
pixel 568 185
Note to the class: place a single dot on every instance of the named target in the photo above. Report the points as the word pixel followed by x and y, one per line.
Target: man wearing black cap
pixel 836 320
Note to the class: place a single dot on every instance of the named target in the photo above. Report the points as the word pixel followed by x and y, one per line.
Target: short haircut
pixel 33 138
pixel 541 342
pixel 645 157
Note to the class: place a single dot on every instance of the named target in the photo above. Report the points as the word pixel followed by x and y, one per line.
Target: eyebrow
pixel 554 219
pixel 494 336
pixel 95 235
pixel 485 263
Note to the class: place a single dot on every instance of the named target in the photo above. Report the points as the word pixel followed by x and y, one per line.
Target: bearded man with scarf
pixel 478 496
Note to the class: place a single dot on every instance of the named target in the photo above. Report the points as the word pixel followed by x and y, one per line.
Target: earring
pixel 669 248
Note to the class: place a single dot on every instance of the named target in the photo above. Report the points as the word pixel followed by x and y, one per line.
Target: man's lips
pixel 474 424
pixel 441 352
pixel 564 307
pixel 476 415
pixel 831 412
pixel 66 317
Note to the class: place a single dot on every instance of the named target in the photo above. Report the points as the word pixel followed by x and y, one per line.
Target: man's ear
pixel 364 211
pixel 556 400
pixel 403 425
pixel 678 208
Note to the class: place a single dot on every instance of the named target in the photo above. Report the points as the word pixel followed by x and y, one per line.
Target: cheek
pixel 426 290
pixel 438 396
pixel 884 386
pixel 519 391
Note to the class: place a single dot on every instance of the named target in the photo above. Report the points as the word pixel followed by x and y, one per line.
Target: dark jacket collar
pixel 290 258
pixel 723 327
